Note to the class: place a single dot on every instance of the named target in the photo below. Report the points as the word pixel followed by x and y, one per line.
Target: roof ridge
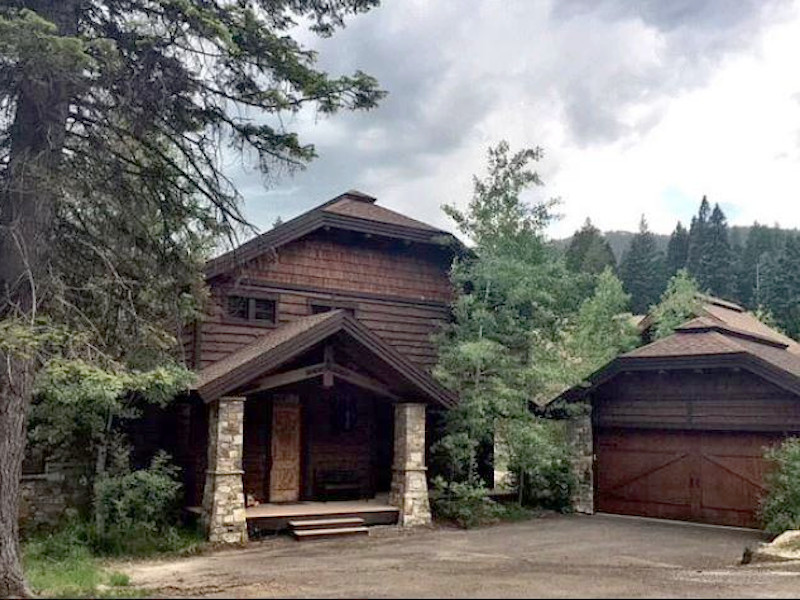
pixel 722 328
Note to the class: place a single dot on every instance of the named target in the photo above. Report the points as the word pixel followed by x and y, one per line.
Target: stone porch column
pixel 223 496
pixel 579 438
pixel 409 484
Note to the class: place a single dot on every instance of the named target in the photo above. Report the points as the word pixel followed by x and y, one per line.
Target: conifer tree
pixel 97 91
pixel 697 239
pixel 762 243
pixel 677 250
pixel 642 270
pixel 718 264
pixel 588 251
pixel 782 287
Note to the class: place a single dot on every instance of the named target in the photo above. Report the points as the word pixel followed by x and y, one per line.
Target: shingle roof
pixel 361 206
pixel 271 350
pixel 721 333
pixel 265 343
pixel 353 211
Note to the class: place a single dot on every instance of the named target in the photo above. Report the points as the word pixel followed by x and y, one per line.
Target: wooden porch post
pixel 223 497
pixel 409 483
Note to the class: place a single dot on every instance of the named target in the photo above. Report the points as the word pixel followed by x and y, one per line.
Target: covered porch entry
pixel 318 417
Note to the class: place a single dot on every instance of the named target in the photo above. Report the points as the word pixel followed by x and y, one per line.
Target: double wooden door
pixel 709 477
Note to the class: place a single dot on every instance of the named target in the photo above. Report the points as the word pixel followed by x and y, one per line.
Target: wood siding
pixel 399 291
pixel 720 399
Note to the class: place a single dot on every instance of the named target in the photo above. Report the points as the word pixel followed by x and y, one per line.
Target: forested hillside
pixel 757 266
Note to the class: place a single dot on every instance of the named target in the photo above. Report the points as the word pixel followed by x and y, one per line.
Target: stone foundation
pixel 579 438
pixel 47 498
pixel 409 475
pixel 223 497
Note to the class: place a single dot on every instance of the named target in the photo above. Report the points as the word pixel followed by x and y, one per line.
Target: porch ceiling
pixel 373 364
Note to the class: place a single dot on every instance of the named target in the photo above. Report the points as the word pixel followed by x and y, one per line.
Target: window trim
pixel 251 295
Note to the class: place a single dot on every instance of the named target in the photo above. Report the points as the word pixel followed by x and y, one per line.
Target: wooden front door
pixel 710 477
pixel 284 478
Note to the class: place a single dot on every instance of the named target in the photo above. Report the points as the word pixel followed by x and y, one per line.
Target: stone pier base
pixel 223 497
pixel 579 438
pixel 409 475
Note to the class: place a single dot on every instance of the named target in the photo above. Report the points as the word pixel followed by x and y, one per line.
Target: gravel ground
pixel 553 556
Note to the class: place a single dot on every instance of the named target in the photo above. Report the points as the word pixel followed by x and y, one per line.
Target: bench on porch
pixel 338 484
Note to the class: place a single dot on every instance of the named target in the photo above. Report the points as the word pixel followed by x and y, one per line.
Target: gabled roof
pixel 708 342
pixel 351 211
pixel 289 341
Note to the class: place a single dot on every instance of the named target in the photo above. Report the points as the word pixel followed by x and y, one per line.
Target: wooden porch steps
pixel 317 529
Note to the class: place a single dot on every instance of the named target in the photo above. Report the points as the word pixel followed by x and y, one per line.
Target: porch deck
pixel 275 517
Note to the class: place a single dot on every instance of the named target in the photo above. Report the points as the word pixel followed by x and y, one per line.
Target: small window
pixel 238 307
pixel 251 309
pixel 263 310
pixel 317 308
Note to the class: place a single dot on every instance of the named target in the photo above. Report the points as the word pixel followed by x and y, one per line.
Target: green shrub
pixel 780 508
pixel 540 463
pixel 466 504
pixel 140 511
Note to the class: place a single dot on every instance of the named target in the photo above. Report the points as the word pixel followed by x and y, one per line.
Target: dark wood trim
pixel 337 294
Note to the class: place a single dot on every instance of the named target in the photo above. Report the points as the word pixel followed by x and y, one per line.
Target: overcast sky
pixel 641 106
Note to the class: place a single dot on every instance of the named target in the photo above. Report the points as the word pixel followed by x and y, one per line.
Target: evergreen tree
pixel 781 287
pixel 98 91
pixel 762 243
pixel 642 270
pixel 718 264
pixel 588 251
pixel 677 250
pixel 697 239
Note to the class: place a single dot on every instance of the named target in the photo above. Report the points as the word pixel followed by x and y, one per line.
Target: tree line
pixel 759 270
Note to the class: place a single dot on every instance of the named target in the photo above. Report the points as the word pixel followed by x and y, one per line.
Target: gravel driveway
pixel 553 556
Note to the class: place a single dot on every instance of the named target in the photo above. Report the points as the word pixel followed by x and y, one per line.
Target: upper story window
pixel 260 310
pixel 321 306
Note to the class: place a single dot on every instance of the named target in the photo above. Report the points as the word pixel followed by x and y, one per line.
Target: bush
pixel 780 508
pixel 139 510
pixel 540 462
pixel 466 504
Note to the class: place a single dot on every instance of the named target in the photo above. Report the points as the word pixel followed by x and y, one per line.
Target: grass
pixel 75 573
pixel 68 563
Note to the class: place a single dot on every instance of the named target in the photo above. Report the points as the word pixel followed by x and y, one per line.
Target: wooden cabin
pixel 680 425
pixel 313 362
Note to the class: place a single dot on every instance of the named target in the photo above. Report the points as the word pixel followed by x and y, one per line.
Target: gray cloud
pixel 598 71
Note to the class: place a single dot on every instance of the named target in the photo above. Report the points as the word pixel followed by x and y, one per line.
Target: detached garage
pixel 680 426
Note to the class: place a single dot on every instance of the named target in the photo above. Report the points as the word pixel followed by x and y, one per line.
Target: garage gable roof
pixel 281 345
pixel 705 342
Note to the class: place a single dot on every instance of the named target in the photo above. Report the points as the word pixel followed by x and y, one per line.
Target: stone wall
pixel 223 497
pixel 47 498
pixel 409 490
pixel 579 438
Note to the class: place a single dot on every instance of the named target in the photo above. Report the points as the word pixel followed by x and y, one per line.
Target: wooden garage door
pixel 710 477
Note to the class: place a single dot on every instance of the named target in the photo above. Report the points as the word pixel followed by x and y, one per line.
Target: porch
pixel 275 517
pixel 330 428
